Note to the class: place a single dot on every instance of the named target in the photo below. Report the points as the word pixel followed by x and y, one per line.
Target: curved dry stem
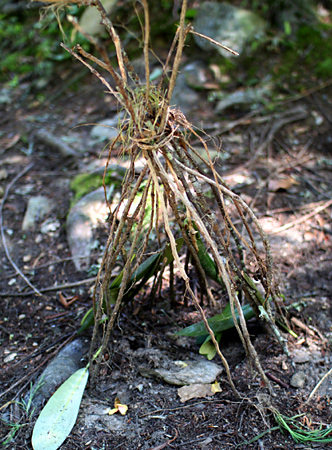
pixel 146 47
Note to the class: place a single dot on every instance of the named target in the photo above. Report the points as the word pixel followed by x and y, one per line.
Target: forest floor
pixel 281 167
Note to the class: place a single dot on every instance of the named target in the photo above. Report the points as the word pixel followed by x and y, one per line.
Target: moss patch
pixel 84 183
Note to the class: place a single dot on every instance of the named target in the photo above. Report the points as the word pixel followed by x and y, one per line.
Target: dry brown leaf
pixel 282 184
pixel 67 301
pixel 197 391
pixel 7 143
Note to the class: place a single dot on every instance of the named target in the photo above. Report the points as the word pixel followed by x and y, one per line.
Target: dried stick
pixel 313 392
pixel 50 288
pixel 127 272
pixel 176 64
pixel 166 64
pixel 213 41
pixel 303 218
pixel 184 276
pixel 146 49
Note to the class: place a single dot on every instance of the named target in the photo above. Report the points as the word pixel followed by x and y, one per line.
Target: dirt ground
pixel 288 182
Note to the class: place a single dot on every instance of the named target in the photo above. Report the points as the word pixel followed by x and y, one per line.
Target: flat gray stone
pixel 300 356
pixel 251 97
pixel 106 130
pixel 194 372
pixel 189 78
pixel 96 417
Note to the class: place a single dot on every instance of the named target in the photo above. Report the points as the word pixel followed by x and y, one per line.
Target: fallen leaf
pixel 118 407
pixel 59 415
pixel 198 391
pixel 282 184
pixel 215 387
pixel 67 301
pixel 7 143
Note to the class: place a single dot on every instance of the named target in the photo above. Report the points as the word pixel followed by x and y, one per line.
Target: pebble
pixel 298 380
pixel 38 207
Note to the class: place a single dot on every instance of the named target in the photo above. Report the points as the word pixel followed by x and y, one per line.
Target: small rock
pixel 195 372
pixel 91 18
pixel 300 356
pixel 49 226
pixel 3 174
pixel 25 190
pixel 10 357
pixel 38 207
pixel 298 380
pixel 38 239
pixel 233 27
pixel 205 443
pixel 96 417
pixel 5 93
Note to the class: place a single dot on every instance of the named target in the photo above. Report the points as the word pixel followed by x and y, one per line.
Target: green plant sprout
pixel 296 430
pixel 27 409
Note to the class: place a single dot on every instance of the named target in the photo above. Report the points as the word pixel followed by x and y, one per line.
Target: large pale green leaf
pixel 60 413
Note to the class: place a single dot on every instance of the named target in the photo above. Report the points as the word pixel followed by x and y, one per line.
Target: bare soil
pixel 288 183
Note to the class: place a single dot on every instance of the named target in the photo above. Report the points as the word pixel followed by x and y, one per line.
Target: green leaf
pixel 220 322
pixel 59 415
pixel 145 271
pixel 208 349
pixel 207 263
pixel 287 28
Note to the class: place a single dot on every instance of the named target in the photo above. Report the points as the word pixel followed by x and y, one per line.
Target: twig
pixel 267 137
pixel 303 218
pixel 301 325
pixel 146 35
pixel 165 444
pixel 10 185
pixel 213 41
pixel 182 36
pixel 154 131
pixel 313 392
pixel 18 382
pixel 276 380
pixel 58 144
pixel 50 288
